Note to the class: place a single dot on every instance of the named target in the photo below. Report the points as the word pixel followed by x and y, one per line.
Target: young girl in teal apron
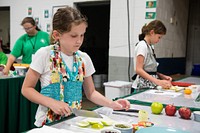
pixel 63 71
pixel 65 85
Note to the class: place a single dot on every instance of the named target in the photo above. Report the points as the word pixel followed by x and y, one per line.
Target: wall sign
pixel 151 4
pixel 48 28
pixel 29 11
pixel 150 15
pixel 46 13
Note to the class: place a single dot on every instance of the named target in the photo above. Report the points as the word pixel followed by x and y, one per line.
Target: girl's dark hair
pixel 64 18
pixel 31 21
pixel 156 25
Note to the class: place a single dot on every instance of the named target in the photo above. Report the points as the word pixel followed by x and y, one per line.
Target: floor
pixel 86 104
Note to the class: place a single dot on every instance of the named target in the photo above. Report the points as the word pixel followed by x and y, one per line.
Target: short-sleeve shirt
pixel 3 58
pixel 27 45
pixel 150 64
pixel 41 64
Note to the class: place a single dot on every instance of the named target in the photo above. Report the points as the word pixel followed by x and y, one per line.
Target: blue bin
pixel 196 70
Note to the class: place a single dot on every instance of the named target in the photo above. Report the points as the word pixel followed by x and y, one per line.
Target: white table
pixel 162 120
pixel 172 97
pixel 195 80
pixel 168 97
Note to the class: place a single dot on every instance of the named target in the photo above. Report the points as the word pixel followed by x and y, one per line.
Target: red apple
pixel 184 112
pixel 170 110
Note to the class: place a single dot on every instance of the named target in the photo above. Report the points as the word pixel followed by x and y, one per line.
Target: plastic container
pixel 196 70
pixel 196 116
pixel 21 70
pixel 124 128
pixel 104 78
pixel 97 80
pixel 116 89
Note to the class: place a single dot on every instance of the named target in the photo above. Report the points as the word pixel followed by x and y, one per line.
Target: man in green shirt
pixel 27 44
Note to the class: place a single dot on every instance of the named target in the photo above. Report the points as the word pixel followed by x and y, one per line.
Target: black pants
pixel 132 90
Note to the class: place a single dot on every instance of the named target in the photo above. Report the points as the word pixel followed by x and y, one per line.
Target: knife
pixel 130 110
pixel 85 113
pixel 119 113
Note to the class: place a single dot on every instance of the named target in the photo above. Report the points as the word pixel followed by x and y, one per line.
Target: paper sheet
pixel 47 129
pixel 163 93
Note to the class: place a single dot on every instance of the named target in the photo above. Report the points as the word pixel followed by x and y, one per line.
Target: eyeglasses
pixel 29 28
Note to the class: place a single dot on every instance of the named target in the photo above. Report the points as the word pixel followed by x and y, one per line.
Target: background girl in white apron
pixel 145 64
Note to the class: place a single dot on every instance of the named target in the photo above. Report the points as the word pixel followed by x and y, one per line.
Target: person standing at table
pixel 63 71
pixel 27 44
pixel 145 64
pixel 3 56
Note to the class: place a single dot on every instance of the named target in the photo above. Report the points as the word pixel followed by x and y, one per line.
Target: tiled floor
pixel 86 104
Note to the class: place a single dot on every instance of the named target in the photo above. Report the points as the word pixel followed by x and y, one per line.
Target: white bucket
pixel 21 70
pixel 97 80
pixel 115 89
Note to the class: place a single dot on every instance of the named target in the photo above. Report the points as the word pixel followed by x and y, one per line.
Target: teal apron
pixel 65 85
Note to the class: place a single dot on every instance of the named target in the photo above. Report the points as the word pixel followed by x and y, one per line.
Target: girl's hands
pixel 165 77
pixel 164 83
pixel 120 104
pixel 168 78
pixel 60 108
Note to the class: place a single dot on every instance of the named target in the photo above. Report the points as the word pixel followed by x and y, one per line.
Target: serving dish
pixel 123 127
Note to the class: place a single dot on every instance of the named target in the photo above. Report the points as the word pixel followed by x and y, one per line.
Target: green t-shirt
pixel 26 45
pixel 3 58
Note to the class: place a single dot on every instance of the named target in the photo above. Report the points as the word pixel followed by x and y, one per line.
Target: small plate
pixel 160 130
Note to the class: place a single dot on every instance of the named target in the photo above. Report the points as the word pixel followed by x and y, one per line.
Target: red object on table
pixel 182 84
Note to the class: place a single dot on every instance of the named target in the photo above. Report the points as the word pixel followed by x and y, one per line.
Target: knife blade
pixel 130 110
pixel 85 113
pixel 120 113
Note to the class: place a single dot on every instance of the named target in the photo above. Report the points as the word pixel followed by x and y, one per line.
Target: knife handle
pixel 130 110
